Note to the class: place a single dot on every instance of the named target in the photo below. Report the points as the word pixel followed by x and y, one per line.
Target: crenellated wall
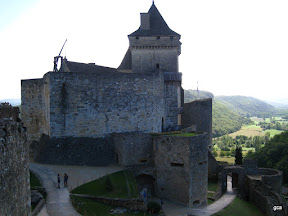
pixel 14 172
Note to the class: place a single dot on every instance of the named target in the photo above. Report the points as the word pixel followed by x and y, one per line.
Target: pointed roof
pixel 158 26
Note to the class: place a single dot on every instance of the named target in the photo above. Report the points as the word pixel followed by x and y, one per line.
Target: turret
pixel 153 46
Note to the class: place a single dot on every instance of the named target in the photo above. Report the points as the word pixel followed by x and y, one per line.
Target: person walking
pixel 65 180
pixel 58 180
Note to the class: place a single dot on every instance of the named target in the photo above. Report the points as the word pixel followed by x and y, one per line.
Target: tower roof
pixel 153 24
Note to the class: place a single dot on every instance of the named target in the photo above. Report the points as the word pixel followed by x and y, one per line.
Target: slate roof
pixel 68 66
pixel 158 26
pixel 126 63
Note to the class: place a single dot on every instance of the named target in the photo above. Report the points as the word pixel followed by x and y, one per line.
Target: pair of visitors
pixel 65 180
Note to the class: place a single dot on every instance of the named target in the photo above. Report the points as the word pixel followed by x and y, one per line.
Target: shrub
pixel 153 207
pixel 214 152
pixel 222 154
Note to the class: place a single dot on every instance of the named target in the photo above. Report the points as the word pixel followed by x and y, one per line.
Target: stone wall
pixel 171 120
pixel 133 148
pixel 273 178
pixel 33 109
pixel 133 203
pixel 199 113
pixel 75 151
pixel 265 198
pixel 181 168
pixel 14 172
pixel 148 52
pixel 213 167
pixel 109 103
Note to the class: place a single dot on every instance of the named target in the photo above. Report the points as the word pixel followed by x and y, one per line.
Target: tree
pixel 238 156
pixel 222 154
pixel 228 154
pixel 214 152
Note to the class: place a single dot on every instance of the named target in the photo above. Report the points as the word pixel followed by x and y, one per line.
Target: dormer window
pixel 158 37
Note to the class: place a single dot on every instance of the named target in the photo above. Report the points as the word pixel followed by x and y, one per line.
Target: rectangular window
pixel 177 164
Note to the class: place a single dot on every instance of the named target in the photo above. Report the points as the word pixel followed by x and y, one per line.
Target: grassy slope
pixel 123 186
pixel 89 207
pixel 240 208
pixel 245 105
pixel 224 120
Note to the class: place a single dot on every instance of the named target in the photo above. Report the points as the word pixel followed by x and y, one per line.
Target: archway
pixel 235 180
pixel 146 181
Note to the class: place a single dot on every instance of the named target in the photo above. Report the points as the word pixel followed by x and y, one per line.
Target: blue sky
pixel 11 10
pixel 229 47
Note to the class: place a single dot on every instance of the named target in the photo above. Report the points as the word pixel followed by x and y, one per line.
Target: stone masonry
pixel 86 114
pixel 14 172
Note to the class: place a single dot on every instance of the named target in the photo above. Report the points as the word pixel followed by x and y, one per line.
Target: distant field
pixel 256 120
pixel 248 131
pixel 229 160
pixel 273 132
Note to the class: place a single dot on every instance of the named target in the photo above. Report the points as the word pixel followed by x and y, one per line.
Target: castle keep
pixel 86 114
pixel 87 100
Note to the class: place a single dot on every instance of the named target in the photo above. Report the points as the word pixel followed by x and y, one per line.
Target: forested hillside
pixel 246 106
pixel 224 120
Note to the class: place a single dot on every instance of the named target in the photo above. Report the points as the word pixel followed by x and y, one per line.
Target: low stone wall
pixel 38 208
pixel 265 198
pixel 135 204
pixel 75 151
pixel 273 178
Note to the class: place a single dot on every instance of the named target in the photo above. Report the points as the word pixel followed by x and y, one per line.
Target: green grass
pixel 123 185
pixel 229 160
pixel 212 185
pixel 273 132
pixel 34 181
pixel 240 207
pixel 185 134
pixel 175 133
pixel 90 207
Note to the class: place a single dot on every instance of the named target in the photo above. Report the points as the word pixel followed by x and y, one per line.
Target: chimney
pixel 145 21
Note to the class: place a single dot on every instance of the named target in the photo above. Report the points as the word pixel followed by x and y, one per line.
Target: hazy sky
pixel 231 47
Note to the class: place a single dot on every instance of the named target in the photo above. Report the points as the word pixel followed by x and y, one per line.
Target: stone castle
pixel 85 114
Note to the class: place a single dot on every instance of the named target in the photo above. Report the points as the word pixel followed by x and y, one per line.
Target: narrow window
pixel 137 38
pixel 157 66
pixel 158 37
pixel 177 164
